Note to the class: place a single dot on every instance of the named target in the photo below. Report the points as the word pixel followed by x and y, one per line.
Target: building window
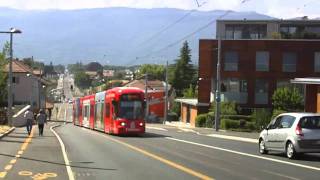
pixel 15 80
pixel 261 92
pixel 262 61
pixel 317 62
pixel 233 89
pixel 231 61
pixel 289 62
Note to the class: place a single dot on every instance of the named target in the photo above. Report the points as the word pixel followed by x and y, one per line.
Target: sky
pixel 275 8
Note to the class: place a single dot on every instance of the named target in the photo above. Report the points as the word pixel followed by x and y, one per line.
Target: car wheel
pixel 290 151
pixel 262 147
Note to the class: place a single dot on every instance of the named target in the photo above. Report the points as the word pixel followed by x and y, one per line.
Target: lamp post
pixel 9 110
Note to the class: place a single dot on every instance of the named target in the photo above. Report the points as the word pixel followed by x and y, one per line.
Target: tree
pixel 82 80
pixel 183 73
pixel 94 66
pixel 3 74
pixel 154 71
pixel 190 92
pixel 287 99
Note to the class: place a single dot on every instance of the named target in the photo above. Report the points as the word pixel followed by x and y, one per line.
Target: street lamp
pixel 9 110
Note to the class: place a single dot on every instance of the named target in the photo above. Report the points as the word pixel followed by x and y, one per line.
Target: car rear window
pixel 310 122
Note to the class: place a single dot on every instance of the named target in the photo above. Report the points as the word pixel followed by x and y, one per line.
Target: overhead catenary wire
pixel 165 28
pixel 190 34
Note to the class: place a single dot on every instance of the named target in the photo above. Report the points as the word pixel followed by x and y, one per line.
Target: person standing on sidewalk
pixel 41 119
pixel 28 115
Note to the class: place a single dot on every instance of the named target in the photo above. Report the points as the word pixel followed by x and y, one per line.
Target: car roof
pixel 301 114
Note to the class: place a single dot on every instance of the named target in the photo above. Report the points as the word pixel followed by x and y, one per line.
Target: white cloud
pixel 276 8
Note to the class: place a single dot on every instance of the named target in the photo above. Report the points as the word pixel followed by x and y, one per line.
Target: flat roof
pixel 271 20
pixel 310 80
pixel 193 102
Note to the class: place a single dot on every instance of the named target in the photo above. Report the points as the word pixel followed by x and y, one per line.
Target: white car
pixel 292 133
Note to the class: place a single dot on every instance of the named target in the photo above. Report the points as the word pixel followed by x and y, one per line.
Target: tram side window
pixel 107 110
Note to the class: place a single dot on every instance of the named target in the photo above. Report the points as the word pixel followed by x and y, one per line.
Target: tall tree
pixel 154 71
pixel 183 74
pixel 3 74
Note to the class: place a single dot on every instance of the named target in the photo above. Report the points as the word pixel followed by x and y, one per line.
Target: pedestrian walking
pixel 41 119
pixel 28 115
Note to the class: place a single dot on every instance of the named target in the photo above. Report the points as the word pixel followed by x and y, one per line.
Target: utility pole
pixel 10 96
pixel 218 90
pixel 146 95
pixel 166 96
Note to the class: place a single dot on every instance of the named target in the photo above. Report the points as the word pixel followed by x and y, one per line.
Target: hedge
pixel 229 124
pixel 237 117
pixel 201 120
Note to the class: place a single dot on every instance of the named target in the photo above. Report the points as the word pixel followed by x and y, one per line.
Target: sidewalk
pixel 31 157
pixel 4 130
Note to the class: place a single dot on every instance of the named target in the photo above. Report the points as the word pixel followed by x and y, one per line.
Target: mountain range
pixel 117 36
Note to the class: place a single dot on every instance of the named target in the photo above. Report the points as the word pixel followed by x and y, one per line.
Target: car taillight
pixel 299 130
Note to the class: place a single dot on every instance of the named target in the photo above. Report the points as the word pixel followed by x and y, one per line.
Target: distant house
pixel 92 74
pixel 108 73
pixel 156 95
pixel 27 87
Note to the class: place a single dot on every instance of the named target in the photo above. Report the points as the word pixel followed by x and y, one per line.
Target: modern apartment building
pixel 300 28
pixel 252 69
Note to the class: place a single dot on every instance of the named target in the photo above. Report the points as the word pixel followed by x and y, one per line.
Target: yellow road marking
pixel 3 174
pixel 8 167
pixel 24 146
pixel 13 161
pixel 168 162
pixel 50 174
pixel 25 173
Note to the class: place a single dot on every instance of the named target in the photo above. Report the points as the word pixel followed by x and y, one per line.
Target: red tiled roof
pixel 18 67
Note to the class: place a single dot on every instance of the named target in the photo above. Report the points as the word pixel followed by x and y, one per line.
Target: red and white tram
pixel 116 111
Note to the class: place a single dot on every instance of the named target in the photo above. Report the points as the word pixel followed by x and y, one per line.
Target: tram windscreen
pixel 130 107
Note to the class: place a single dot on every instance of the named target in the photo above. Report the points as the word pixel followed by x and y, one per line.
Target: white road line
pixel 281 175
pixel 246 154
pixel 64 153
pixel 250 140
pixel 156 128
pixel 187 130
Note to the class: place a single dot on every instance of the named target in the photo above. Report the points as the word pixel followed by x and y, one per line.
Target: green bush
pixel 176 108
pixel 261 117
pixel 237 117
pixel 209 121
pixel 201 120
pixel 229 124
pixel 250 125
pixel 228 108
pixel 172 116
pixel 288 99
pixel 276 112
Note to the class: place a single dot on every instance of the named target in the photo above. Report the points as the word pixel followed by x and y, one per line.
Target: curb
pixel 8 132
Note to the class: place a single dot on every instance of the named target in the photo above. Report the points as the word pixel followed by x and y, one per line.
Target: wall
pixel 246 65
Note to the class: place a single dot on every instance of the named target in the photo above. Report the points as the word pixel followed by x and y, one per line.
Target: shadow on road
pixel 146 135
pixel 58 163
pixel 300 157
pixel 11 141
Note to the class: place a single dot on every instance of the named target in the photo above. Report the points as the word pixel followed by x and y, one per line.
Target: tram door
pixel 86 113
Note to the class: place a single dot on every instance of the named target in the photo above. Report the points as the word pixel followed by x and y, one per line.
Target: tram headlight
pixel 141 124
pixel 123 124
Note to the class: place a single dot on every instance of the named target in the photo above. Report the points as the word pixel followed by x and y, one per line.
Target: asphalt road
pixel 110 157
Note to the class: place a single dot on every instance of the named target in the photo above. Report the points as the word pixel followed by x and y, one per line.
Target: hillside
pixel 107 35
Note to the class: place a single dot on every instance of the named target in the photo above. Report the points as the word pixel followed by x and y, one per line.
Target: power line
pixel 192 33
pixel 171 25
